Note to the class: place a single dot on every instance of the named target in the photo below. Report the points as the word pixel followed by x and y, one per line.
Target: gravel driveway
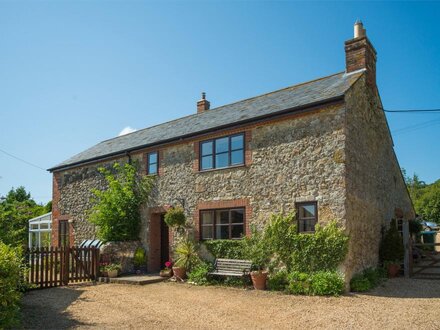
pixel 399 304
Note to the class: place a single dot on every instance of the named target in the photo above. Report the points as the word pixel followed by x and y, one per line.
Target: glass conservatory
pixel 40 229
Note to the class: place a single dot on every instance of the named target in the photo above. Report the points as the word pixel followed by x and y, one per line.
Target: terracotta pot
pixel 259 279
pixel 166 273
pixel 393 270
pixel 179 272
pixel 112 273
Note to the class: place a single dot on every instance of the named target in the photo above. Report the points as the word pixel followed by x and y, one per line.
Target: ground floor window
pixel 63 226
pixel 307 216
pixel 222 224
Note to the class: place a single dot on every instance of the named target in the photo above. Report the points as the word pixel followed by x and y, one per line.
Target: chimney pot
pixel 359 30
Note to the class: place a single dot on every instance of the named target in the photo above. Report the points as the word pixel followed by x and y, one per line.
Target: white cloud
pixel 127 130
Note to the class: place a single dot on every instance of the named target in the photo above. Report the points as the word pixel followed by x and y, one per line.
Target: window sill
pixel 222 169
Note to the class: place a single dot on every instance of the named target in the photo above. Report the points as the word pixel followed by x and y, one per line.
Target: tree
pixel 15 211
pixel 425 197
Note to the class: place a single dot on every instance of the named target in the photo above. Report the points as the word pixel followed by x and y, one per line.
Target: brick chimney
pixel 203 104
pixel 360 53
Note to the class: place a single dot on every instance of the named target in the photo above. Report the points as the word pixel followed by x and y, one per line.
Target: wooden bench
pixel 232 267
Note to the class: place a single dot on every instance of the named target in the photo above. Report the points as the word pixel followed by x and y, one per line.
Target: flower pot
pixel 179 272
pixel 112 273
pixel 166 273
pixel 393 270
pixel 259 279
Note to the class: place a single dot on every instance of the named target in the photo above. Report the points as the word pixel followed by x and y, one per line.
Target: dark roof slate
pixel 253 108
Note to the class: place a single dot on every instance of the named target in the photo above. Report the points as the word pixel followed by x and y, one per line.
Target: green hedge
pixel 10 282
pixel 223 248
pixel 367 280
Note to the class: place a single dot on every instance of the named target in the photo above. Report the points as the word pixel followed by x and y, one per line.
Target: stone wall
pixel 375 186
pixel 120 252
pixel 300 158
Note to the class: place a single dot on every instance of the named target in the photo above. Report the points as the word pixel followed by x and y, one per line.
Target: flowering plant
pixel 168 264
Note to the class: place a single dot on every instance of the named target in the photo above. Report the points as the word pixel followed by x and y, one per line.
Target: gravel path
pixel 399 304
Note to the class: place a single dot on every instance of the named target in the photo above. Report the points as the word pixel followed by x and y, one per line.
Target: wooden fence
pixel 49 267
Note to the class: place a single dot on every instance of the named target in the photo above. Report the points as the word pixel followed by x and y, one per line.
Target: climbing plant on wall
pixel 116 210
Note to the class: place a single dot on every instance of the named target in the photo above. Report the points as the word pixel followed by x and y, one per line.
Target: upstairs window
pixel 222 224
pixel 307 215
pixel 152 163
pixel 222 152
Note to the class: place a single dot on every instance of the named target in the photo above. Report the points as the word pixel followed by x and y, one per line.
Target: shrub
pixel 199 274
pixel 391 247
pixel 367 280
pixel 139 258
pixel 116 210
pixel 255 250
pixel 322 251
pixel 10 282
pixel 175 217
pixel 298 283
pixel 223 248
pixel 187 255
pixel 360 283
pixel 326 284
pixel 278 281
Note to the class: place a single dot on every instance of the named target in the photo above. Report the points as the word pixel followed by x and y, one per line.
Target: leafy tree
pixel 428 204
pixel 425 197
pixel 117 209
pixel 15 211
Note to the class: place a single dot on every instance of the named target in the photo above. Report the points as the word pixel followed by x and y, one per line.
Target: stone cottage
pixel 321 148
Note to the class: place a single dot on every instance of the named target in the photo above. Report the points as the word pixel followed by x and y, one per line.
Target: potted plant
pixel 112 269
pixel 391 250
pixel 175 218
pixel 140 261
pixel 167 271
pixel 186 252
pixel 257 252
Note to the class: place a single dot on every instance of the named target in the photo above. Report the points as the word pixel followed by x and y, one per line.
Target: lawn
pixel 400 303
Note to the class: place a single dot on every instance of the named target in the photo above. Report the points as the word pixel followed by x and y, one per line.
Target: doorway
pixel 164 242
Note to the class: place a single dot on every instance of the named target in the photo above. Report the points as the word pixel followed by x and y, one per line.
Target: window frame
pixel 297 206
pixel 156 163
pixel 214 223
pixel 63 238
pixel 213 153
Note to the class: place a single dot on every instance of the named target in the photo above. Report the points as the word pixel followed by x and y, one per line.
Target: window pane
pixel 207 148
pixel 152 169
pixel 222 232
pixel 237 157
pixel 222 145
pixel 237 142
pixel 44 226
pixel 34 239
pixel 221 160
pixel 207 218
pixel 306 225
pixel 206 162
pixel 207 232
pixel 237 216
pixel 45 238
pixel 152 158
pixel 307 211
pixel 223 217
pixel 237 231
pixel 34 226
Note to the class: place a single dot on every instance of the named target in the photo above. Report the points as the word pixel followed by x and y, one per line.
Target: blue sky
pixel 75 73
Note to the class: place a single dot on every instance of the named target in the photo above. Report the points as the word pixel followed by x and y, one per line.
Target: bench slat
pixel 231 267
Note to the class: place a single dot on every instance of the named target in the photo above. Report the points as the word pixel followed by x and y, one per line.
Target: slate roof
pixel 297 96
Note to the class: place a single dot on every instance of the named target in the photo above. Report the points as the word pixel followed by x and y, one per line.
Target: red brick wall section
pixel 56 213
pixel 225 204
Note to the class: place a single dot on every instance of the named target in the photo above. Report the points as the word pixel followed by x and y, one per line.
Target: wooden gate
pixel 422 260
pixel 49 267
